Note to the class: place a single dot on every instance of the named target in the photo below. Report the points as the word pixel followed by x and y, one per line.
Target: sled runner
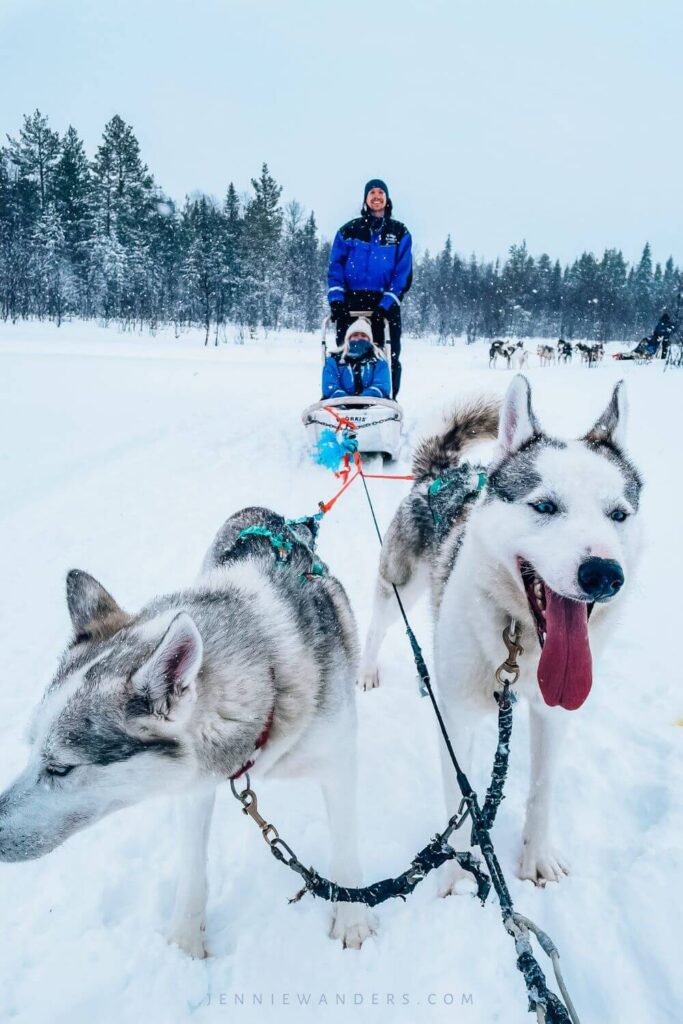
pixel 378 421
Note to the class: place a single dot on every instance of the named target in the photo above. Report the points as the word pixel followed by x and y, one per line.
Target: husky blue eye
pixel 546 508
pixel 618 515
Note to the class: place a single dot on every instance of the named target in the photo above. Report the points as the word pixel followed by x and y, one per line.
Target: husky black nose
pixel 600 578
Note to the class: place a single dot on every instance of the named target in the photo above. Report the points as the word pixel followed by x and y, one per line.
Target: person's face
pixel 376 200
pixel 358 336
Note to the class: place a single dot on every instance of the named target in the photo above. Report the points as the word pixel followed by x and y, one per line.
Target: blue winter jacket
pixel 339 379
pixel 371 254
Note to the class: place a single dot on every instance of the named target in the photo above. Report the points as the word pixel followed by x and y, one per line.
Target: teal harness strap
pixel 457 477
pixel 280 544
pixel 283 547
pixel 438 485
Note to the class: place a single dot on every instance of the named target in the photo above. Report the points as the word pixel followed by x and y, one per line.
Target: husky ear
pixel 88 602
pixel 168 677
pixel 517 420
pixel 611 426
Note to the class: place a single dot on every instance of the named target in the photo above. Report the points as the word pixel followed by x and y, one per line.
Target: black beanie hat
pixel 375 183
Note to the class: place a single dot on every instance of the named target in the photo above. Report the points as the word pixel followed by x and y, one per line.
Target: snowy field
pixel 121 455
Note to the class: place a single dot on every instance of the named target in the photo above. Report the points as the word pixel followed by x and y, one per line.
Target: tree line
pixel 99 238
pixel 602 299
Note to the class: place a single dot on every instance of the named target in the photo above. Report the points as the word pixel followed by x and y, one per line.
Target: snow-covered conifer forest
pixel 94 235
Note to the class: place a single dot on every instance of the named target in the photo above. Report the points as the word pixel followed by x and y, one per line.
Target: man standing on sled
pixel 371 268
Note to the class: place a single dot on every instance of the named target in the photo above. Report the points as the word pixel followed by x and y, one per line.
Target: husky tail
pixel 474 420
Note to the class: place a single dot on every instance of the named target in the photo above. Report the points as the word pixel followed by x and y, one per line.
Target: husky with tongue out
pixel 546 535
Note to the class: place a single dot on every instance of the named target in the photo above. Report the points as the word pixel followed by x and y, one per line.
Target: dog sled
pixel 646 351
pixel 659 344
pixel 378 422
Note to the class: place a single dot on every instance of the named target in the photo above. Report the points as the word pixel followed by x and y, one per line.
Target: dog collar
pixel 260 742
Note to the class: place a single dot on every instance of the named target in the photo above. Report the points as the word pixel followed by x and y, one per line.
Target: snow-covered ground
pixel 122 454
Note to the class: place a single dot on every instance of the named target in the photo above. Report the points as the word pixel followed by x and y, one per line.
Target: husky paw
pixel 369 680
pixel 454 880
pixel 353 924
pixel 540 864
pixel 190 940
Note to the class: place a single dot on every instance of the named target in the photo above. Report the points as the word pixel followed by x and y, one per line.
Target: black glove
pixel 392 315
pixel 336 310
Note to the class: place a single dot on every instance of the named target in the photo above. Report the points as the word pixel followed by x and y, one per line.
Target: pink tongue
pixel 565 671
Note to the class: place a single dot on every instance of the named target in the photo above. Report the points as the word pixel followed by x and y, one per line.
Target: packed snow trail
pixel 122 455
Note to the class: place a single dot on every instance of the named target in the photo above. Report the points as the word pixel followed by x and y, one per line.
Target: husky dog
pixel 517 356
pixel 564 351
pixel 591 354
pixel 546 354
pixel 548 536
pixel 253 666
pixel 514 354
pixel 496 350
pixel 597 354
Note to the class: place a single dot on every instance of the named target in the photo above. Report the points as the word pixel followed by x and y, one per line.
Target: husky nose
pixel 600 578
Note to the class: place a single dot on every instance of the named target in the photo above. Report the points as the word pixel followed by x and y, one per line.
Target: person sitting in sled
pixel 647 348
pixel 358 367
pixel 371 268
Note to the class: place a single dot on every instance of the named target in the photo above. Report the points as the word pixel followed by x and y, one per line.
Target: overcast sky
pixel 558 121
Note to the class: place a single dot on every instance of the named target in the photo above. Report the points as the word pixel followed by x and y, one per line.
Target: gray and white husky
pixel 546 535
pixel 255 663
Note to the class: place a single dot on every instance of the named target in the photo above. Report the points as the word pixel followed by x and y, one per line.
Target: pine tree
pixel 644 306
pixel 108 273
pixel 518 285
pixel 124 188
pixel 49 266
pixel 15 240
pixel 672 283
pixel 540 305
pixel 612 304
pixel 582 313
pixel 443 293
pixel 489 312
pixel 232 242
pixel 165 259
pixel 302 307
pixel 261 252
pixel 202 267
pixel 73 194
pixel 35 154
pixel 555 300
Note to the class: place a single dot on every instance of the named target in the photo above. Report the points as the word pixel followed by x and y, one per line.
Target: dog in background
pixel 546 355
pixel 564 351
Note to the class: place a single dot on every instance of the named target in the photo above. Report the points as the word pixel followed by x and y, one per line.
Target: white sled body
pixel 378 422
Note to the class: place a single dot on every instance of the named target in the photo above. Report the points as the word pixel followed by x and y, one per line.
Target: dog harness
pixel 448 494
pixel 282 544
